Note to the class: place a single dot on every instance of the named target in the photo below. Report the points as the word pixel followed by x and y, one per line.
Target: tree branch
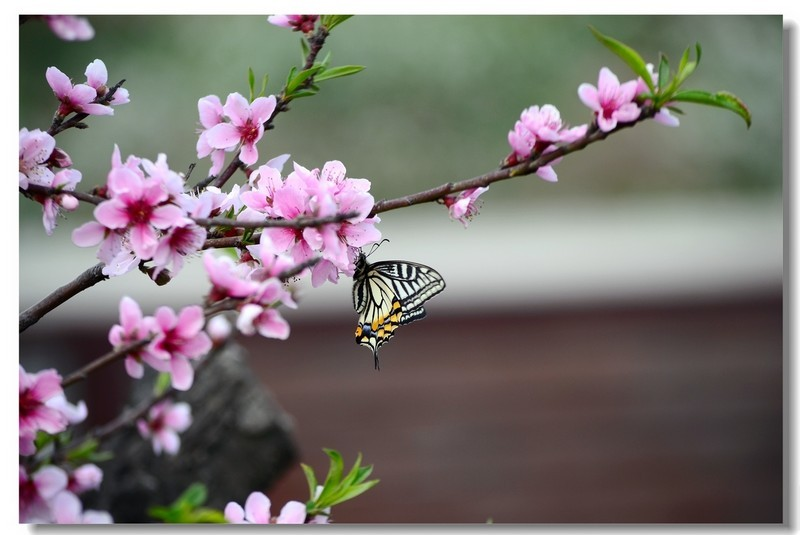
pixel 85 280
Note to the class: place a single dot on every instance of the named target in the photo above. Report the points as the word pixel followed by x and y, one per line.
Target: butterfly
pixel 388 294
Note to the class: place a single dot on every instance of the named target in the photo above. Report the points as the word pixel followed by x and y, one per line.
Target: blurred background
pixel 609 348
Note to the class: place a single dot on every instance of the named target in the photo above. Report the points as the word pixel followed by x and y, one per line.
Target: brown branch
pixel 85 280
pixel 104 360
pixel 524 168
pixel 35 189
pixel 296 223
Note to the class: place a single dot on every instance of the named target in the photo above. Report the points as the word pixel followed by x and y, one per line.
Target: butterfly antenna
pixel 376 245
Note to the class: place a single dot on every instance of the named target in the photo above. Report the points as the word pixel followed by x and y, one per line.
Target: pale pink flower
pixel 79 98
pixel 97 77
pixel 219 329
pixel 74 414
pixel 182 239
pixel 464 206
pixel 246 125
pixel 211 114
pixel 611 101
pixel 132 328
pixel 35 148
pixel 68 509
pixel 69 27
pixel 164 421
pixel 298 23
pixel 64 180
pixel 228 279
pixel 35 390
pixel 86 477
pixel 37 491
pixel 268 322
pixel 257 511
pixel 179 339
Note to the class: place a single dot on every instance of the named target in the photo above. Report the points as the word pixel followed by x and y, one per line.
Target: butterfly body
pixel 388 294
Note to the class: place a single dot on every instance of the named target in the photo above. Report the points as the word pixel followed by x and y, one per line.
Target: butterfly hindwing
pixel 388 294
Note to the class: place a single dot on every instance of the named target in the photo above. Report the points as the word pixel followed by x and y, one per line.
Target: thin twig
pixel 296 223
pixel 104 360
pixel 35 189
pixel 85 280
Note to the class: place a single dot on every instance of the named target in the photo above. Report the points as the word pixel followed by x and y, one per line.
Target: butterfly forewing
pixel 388 294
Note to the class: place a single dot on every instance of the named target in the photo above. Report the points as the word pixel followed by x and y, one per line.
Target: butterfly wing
pixel 388 294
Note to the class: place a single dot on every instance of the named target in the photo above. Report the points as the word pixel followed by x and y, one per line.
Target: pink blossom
pixel 35 390
pixel 181 240
pixel 463 206
pixel 97 77
pixel 298 23
pixel 68 509
pixel 37 491
pixel 164 421
pixel 137 204
pixel 179 338
pixel 133 328
pixel 268 322
pixel 211 114
pixel 611 101
pixel 69 27
pixel 64 180
pixel 246 125
pixel 114 249
pixel 257 511
pixel 86 477
pixel 227 278
pixel 74 414
pixel 219 329
pixel 536 132
pixel 80 98
pixel 35 148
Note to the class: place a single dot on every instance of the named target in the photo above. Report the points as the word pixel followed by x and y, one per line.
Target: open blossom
pixel 85 477
pixel 36 492
pixel 164 421
pixel 211 114
pixel 228 278
pixel 182 239
pixel 246 126
pixel 611 101
pixel 536 132
pixel 463 206
pixel 35 391
pixel 257 511
pixel 179 338
pixel 97 78
pixel 298 23
pixel 70 27
pixel 64 180
pixel 133 328
pixel 268 322
pixel 35 148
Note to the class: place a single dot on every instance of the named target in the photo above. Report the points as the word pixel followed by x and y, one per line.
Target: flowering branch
pixel 297 223
pixel 85 280
pixel 59 125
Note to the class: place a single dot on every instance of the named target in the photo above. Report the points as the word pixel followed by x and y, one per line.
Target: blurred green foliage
pixel 435 102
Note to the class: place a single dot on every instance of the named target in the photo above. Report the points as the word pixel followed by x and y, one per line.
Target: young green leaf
pixel 251 82
pixel 306 50
pixel 311 479
pixel 338 72
pixel 720 99
pixel 163 381
pixel 298 79
pixel 663 72
pixel 626 54
pixel 331 21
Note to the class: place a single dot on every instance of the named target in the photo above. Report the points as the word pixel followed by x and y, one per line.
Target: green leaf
pixel 300 93
pixel 251 82
pixel 338 72
pixel 626 54
pixel 264 82
pixel 194 496
pixel 83 450
pixel 663 72
pixel 306 50
pixel 300 77
pixel 331 21
pixel 162 383
pixel 720 99
pixel 351 492
pixel 311 479
pixel 334 471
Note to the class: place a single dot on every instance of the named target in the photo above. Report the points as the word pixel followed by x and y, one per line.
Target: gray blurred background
pixel 608 348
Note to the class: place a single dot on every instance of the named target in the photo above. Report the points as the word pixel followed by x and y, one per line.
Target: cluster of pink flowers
pixel 38 156
pixel 173 340
pixel 297 23
pixel 257 510
pixel 236 124
pixel 49 494
pixel 146 217
pixel 164 421
pixel 313 193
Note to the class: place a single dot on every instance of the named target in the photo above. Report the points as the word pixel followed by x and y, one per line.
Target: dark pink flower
pixel 37 491
pixel 133 328
pixel 35 391
pixel 179 338
pixel 611 101
pixel 228 279
pixel 298 23
pixel 246 125
pixel 181 240
pixel 164 421
pixel 70 27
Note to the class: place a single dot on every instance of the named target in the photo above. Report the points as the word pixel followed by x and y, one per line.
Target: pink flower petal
pixel 223 136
